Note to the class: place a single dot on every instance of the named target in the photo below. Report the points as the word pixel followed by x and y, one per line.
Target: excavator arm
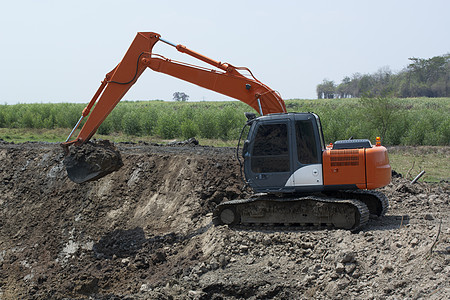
pixel 227 80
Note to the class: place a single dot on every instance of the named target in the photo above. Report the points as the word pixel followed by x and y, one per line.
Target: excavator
pixel 297 179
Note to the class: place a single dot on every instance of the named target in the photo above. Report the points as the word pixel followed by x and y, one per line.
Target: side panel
pixel 306 176
pixel 378 168
pixel 344 167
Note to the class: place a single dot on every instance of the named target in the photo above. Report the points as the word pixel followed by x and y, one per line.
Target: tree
pixel 429 77
pixel 326 90
pixel 180 96
pixel 344 89
pixel 421 78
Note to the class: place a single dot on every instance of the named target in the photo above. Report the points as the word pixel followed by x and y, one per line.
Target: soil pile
pixel 145 232
pixel 92 161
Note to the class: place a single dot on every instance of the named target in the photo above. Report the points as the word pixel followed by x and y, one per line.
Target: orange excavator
pixel 296 178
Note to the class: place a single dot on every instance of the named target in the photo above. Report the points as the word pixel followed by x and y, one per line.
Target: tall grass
pixel 419 121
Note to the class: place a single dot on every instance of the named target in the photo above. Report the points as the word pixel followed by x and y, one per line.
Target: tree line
pixel 421 78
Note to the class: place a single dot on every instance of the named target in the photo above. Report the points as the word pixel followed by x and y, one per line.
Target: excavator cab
pixel 283 153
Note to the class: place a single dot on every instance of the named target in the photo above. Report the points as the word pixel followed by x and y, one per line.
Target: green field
pixel 411 160
pixel 418 121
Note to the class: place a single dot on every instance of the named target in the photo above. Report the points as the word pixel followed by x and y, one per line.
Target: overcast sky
pixel 60 51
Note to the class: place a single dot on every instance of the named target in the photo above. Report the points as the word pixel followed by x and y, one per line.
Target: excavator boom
pixel 227 80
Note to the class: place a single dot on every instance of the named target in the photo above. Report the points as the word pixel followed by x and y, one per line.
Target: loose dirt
pixel 92 161
pixel 144 232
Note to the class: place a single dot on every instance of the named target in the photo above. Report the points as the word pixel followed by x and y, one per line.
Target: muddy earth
pixel 92 161
pixel 145 232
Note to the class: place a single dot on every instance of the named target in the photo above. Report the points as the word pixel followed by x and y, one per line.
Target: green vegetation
pixel 421 78
pixel 21 135
pixel 411 121
pixel 410 161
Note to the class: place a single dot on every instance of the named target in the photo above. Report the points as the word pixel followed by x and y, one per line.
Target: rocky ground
pixel 144 232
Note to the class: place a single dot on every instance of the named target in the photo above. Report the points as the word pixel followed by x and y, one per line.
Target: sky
pixel 60 51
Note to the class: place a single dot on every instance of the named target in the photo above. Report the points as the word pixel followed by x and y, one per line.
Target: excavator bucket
pixel 92 161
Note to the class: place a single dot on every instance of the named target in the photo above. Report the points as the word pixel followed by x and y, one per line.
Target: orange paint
pixel 378 168
pixel 367 168
pixel 228 81
pixel 346 166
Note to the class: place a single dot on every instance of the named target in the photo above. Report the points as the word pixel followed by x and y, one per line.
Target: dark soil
pixel 92 161
pixel 145 232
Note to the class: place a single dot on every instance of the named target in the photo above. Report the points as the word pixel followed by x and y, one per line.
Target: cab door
pixel 267 158
pixel 307 161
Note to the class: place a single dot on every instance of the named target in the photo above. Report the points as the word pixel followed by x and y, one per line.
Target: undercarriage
pixel 348 210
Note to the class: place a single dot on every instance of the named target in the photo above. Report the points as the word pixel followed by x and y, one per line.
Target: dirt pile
pixel 144 232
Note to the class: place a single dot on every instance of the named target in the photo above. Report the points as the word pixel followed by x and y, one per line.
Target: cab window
pixel 306 142
pixel 271 150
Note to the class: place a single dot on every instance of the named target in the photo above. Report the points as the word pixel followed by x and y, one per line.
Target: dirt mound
pixel 144 232
pixel 92 161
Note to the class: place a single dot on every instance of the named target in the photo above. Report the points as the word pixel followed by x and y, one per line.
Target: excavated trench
pixel 145 232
